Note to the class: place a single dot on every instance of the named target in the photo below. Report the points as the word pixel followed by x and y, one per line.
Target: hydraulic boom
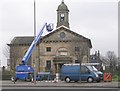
pixel 23 71
pixel 29 52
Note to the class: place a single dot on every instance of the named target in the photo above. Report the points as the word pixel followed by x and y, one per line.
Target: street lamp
pixel 34 43
pixel 49 28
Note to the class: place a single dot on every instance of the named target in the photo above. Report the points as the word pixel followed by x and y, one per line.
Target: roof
pixel 95 59
pixel 67 29
pixel 22 40
pixel 62 7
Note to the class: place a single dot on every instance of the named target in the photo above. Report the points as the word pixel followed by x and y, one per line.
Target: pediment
pixel 64 34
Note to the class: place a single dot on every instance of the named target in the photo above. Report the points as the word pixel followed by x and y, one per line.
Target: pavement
pixel 60 84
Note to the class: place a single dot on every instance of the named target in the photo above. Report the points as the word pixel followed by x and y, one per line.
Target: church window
pixel 48 49
pixel 48 64
pixel 77 49
pixel 63 52
pixel 62 35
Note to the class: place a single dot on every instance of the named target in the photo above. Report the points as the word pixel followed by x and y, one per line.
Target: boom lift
pixel 23 71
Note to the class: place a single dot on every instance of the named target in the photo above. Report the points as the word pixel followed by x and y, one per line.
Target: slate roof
pixel 68 30
pixel 27 40
pixel 95 59
pixel 22 40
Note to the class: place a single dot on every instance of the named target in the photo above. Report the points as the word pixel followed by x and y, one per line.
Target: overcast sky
pixel 94 19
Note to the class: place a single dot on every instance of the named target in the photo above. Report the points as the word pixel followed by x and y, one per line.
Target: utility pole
pixel 34 43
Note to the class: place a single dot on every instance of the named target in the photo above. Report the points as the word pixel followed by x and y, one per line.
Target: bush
pixel 6 75
pixel 116 78
pixel 52 77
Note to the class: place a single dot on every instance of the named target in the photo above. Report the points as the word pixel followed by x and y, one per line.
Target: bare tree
pixel 6 51
pixel 12 53
pixel 78 51
pixel 112 60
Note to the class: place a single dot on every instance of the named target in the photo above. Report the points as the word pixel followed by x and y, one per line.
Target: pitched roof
pixel 95 59
pixel 67 29
pixel 28 39
pixel 22 40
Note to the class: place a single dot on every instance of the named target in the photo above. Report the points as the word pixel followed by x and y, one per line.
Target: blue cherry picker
pixel 23 71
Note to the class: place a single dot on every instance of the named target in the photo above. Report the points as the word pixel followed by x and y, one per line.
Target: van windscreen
pixel 90 68
pixel 94 68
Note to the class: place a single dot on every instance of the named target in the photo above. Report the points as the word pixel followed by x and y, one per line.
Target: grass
pixel 116 78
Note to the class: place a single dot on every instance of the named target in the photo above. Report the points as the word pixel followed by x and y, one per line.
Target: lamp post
pixel 49 28
pixel 34 43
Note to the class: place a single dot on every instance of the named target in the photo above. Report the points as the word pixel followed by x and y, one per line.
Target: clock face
pixel 62 15
pixel 62 35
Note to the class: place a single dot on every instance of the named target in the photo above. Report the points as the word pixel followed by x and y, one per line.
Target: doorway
pixel 58 67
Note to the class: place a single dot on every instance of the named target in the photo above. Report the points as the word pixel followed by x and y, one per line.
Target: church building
pixel 59 47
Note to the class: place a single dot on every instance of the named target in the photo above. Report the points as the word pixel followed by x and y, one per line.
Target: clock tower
pixel 62 15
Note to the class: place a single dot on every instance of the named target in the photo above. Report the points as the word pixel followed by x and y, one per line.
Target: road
pixel 59 85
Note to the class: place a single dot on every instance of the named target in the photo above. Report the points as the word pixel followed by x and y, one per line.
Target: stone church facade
pixel 54 49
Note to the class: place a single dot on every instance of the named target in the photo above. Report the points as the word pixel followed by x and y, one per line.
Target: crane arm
pixel 29 51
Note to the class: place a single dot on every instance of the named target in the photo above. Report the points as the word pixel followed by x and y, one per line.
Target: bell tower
pixel 62 15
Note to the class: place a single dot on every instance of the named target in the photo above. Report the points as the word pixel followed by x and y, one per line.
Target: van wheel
pixel 27 79
pixel 67 79
pixel 90 79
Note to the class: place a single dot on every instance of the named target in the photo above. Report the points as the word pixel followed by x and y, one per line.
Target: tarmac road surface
pixel 59 85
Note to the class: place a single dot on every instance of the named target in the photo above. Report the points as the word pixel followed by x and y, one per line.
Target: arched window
pixel 62 52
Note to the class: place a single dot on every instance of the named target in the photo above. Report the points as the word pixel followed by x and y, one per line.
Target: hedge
pixel 6 77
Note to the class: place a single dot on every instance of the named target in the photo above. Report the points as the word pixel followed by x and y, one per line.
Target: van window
pixel 84 70
pixel 90 68
pixel 94 68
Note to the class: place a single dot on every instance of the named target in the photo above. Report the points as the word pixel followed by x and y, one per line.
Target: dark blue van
pixel 71 72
